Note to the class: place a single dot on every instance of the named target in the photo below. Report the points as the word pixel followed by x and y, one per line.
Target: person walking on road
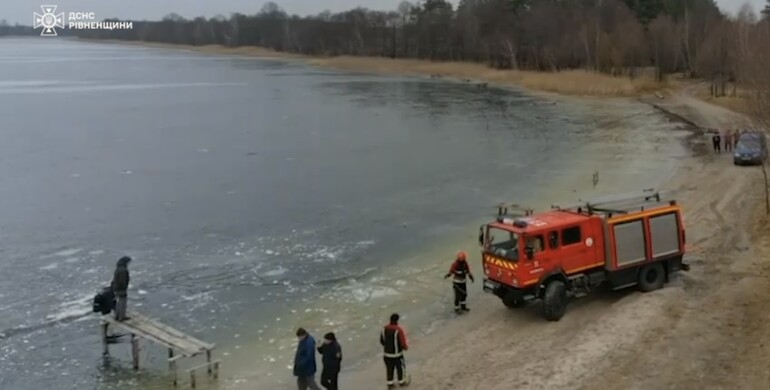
pixel 119 285
pixel 736 137
pixel 331 353
pixel 304 361
pixel 459 271
pixel 394 343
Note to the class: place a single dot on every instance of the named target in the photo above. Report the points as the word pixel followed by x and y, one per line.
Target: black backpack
pixel 104 301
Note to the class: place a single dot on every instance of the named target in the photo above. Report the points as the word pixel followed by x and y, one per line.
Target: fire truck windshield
pixel 504 243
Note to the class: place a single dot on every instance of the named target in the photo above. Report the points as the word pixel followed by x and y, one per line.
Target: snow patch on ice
pixel 76 307
pixel 50 267
pixel 63 253
pixel 363 294
pixel 276 272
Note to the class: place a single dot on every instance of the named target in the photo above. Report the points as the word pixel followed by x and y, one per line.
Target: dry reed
pixel 569 82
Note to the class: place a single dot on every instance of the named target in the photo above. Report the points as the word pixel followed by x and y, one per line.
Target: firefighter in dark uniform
pixel 394 343
pixel 458 272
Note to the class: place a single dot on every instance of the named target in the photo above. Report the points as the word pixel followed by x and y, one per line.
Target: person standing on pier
pixel 120 286
pixel 331 353
pixel 304 361
pixel 459 271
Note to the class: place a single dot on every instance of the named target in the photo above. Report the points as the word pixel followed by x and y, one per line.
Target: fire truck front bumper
pixel 492 287
pixel 506 292
pixel 502 290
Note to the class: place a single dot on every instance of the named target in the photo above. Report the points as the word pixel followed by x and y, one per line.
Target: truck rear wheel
pixel 651 277
pixel 511 301
pixel 554 300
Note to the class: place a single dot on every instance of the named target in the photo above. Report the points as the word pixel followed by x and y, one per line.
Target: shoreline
pixel 567 83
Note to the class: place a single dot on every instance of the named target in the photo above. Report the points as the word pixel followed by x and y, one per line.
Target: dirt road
pixel 706 330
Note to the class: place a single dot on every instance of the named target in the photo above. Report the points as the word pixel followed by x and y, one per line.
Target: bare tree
pixel 754 65
pixel 610 36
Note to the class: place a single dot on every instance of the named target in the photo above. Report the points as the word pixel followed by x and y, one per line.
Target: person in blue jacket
pixel 304 361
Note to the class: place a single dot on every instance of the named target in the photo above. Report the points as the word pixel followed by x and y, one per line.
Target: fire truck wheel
pixel 554 300
pixel 651 277
pixel 510 301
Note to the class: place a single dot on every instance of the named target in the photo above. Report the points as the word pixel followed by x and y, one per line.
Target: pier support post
pixel 208 360
pixel 105 348
pixel 192 379
pixel 172 366
pixel 135 350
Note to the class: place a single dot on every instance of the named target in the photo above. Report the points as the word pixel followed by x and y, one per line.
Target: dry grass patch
pixel 571 82
pixel 251 51
pixel 738 103
pixel 581 82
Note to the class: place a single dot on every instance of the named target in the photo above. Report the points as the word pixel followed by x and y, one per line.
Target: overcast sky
pixel 21 10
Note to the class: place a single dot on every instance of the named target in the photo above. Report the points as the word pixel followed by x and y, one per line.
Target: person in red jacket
pixel 393 340
pixel 459 271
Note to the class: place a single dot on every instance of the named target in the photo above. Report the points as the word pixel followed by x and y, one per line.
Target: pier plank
pixel 179 344
pixel 159 333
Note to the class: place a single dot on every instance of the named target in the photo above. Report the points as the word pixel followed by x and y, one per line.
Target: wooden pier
pixel 179 344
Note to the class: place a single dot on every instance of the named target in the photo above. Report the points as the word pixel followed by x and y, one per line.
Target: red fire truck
pixel 634 240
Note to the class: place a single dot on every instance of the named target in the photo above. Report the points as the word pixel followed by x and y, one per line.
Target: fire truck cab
pixel 569 251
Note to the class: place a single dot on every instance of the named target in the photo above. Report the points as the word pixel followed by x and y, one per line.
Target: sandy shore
pixel 570 82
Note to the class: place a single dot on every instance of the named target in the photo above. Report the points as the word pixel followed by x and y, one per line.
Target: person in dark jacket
pixel 304 361
pixel 459 271
pixel 394 343
pixel 331 353
pixel 120 286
